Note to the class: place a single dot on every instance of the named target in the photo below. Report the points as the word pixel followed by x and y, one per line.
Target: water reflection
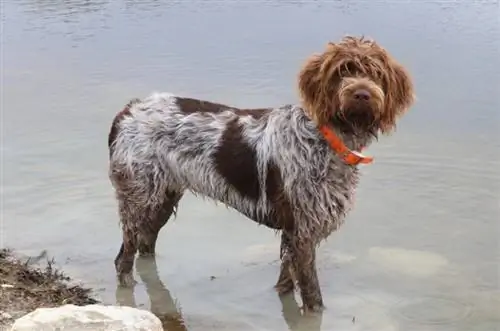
pixel 294 318
pixel 163 305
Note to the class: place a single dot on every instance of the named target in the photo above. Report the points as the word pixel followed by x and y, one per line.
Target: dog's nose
pixel 362 95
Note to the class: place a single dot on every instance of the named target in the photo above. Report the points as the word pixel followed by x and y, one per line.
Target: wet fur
pixel 271 164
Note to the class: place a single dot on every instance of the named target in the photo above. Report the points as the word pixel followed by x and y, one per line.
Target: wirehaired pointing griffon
pixel 293 168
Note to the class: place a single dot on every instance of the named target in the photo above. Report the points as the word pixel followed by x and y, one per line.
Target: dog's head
pixel 357 84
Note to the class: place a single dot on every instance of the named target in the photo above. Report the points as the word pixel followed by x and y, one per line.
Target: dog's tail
pixel 113 132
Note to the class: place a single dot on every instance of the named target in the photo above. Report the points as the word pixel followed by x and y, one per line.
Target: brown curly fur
pixel 327 79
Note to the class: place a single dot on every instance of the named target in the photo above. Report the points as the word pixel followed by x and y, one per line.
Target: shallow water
pixel 421 250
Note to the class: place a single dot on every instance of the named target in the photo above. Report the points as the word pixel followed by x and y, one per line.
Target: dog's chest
pixel 334 198
pixel 341 182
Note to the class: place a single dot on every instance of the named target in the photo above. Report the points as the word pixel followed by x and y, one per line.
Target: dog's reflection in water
pixel 163 305
pixel 294 318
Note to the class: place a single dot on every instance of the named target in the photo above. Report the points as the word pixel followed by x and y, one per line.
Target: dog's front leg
pixel 304 253
pixel 286 280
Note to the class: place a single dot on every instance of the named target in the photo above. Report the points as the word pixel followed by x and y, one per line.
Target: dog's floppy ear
pixel 399 95
pixel 314 90
pixel 404 96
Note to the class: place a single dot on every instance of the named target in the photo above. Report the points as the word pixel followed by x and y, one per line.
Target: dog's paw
pixel 284 287
pixel 126 280
pixel 313 310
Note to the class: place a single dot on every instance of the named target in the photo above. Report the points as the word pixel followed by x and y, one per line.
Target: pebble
pixel 5 316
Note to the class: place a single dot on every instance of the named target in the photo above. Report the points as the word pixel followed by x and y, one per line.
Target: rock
pixel 91 317
pixel 410 262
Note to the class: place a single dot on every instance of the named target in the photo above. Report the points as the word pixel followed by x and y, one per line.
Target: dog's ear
pixel 313 89
pixel 404 94
pixel 399 95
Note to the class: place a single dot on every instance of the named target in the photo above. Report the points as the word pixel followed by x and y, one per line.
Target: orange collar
pixel 350 157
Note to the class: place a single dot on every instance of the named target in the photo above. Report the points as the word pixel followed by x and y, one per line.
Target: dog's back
pixel 189 144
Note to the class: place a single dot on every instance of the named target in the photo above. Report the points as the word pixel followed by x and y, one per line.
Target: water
pixel 419 252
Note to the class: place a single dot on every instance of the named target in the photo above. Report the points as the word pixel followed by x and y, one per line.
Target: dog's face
pixel 357 84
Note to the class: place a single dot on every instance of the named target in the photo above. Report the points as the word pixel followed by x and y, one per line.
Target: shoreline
pixel 25 287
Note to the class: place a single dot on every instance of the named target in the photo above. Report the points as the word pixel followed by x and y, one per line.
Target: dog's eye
pixel 349 69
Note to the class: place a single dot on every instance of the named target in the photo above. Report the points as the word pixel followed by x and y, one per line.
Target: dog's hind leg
pixel 143 208
pixel 148 233
pixel 124 261
pixel 141 222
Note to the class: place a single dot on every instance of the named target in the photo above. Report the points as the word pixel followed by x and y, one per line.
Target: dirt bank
pixel 24 287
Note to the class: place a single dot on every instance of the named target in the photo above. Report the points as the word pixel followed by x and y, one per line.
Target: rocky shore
pixel 24 288
pixel 34 298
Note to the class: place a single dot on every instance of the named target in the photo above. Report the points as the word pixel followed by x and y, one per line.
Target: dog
pixel 292 168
